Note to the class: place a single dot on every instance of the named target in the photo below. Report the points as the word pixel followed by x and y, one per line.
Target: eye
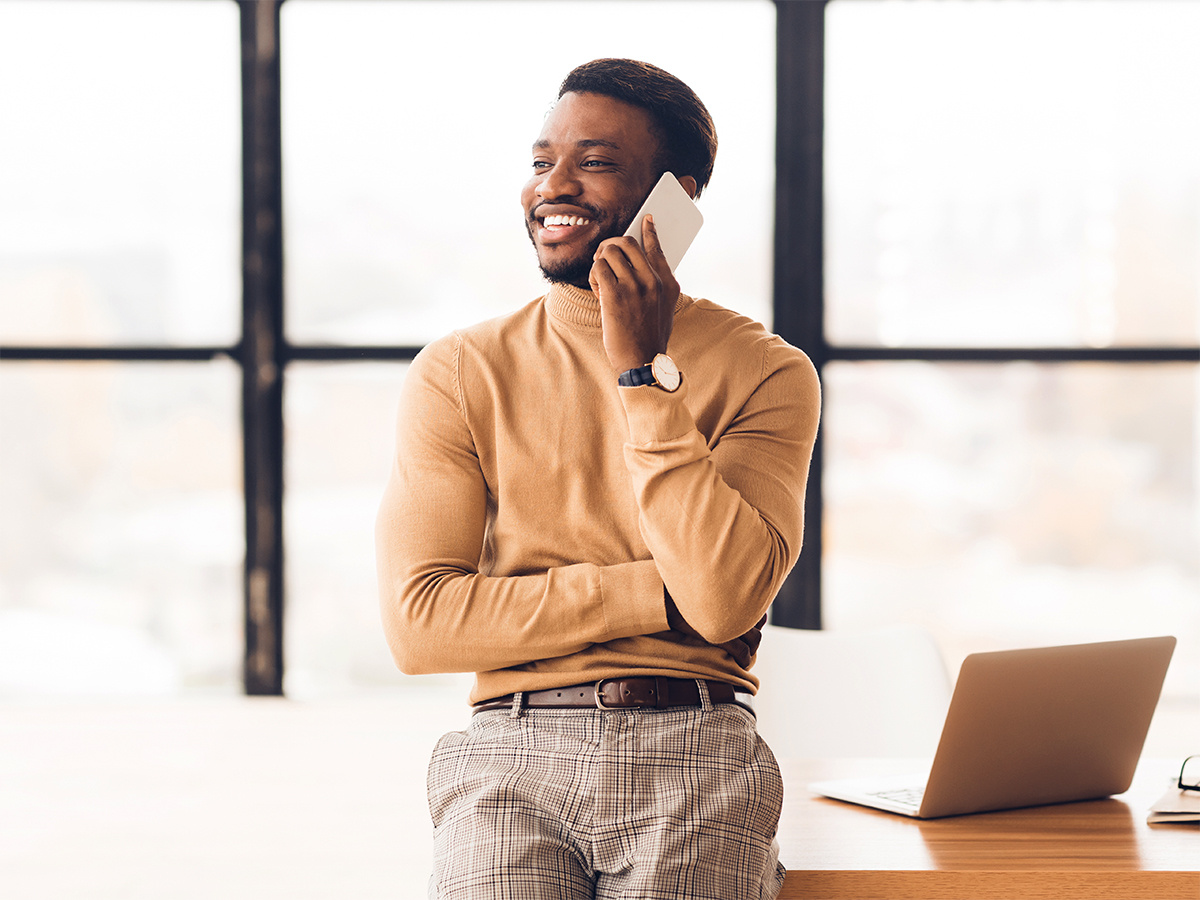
pixel 541 164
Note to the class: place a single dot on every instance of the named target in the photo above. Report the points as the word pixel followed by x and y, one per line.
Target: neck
pixel 580 306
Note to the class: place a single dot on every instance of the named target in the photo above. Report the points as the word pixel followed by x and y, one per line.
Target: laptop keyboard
pixel 910 797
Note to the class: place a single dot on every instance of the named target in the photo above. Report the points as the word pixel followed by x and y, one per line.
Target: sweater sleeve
pixel 439 613
pixel 725 524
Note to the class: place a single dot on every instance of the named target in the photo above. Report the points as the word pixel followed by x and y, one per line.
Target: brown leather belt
pixel 618 693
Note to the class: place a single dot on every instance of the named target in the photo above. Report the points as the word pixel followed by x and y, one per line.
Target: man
pixel 599 550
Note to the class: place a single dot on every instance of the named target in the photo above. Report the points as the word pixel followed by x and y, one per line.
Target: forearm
pixel 721 561
pixel 441 615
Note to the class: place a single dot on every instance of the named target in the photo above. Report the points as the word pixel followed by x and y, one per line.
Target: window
pixel 1012 312
pixel 120 503
pixel 985 223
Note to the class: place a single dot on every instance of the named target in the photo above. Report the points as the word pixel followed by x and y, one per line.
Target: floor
pixel 244 798
pixel 231 798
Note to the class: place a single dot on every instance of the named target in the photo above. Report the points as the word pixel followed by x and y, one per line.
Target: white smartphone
pixel 676 218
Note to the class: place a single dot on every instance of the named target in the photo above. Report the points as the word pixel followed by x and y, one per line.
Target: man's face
pixel 593 166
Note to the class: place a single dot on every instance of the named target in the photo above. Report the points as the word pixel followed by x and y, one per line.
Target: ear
pixel 689 185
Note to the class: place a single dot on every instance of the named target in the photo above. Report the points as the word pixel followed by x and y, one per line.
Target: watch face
pixel 666 373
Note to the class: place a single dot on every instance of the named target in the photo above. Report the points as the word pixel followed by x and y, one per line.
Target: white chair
pixel 881 692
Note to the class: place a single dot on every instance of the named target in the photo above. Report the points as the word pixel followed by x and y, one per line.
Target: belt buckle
pixel 659 701
pixel 599 689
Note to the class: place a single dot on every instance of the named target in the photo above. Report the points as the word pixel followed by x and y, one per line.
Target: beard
pixel 575 271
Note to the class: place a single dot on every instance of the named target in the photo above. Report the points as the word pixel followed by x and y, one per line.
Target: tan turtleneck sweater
pixel 535 510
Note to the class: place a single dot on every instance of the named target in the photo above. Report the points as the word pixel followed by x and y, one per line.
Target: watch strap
pixel 637 377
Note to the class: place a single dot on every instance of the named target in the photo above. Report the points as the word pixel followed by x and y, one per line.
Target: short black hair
pixel 685 129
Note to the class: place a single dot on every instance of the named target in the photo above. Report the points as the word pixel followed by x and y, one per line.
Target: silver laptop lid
pixel 1046 725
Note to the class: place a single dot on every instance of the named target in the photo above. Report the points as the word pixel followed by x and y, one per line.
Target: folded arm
pixel 725 524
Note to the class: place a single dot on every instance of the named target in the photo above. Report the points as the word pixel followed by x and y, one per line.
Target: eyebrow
pixel 583 144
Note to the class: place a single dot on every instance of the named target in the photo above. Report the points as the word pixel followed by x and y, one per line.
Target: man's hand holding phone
pixel 637 292
pixel 633 275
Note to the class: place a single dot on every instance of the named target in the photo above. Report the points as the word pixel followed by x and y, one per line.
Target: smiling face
pixel 593 165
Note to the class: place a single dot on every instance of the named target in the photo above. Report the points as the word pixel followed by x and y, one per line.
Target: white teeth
pixel 564 220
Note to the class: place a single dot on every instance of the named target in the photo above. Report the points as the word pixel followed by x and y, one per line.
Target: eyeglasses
pixel 1189 774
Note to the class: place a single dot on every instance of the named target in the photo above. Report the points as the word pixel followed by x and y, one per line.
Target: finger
pixel 628 261
pixel 626 267
pixel 602 279
pixel 654 251
pixel 624 245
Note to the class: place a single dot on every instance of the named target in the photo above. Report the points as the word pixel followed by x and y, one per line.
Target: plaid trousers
pixel 675 804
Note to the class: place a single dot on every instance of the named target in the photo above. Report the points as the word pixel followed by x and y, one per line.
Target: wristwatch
pixel 660 372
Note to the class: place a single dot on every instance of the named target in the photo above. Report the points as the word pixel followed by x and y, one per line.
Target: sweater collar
pixel 573 305
pixel 579 307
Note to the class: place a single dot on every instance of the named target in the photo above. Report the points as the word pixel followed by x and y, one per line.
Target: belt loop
pixel 662 692
pixel 705 700
pixel 518 704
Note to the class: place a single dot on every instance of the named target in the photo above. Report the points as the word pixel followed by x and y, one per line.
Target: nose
pixel 557 182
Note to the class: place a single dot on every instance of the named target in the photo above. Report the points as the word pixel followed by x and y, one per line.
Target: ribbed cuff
pixel 633 598
pixel 655 415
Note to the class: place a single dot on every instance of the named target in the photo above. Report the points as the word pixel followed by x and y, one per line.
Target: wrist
pixel 661 372
pixel 622 366
pixel 632 358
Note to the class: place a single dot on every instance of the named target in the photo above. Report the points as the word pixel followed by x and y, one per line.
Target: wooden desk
pixel 1097 850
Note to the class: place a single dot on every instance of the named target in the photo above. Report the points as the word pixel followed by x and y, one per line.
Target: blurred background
pixel 997 174
pixel 1011 434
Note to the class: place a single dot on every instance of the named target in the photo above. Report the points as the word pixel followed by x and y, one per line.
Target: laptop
pixel 1031 727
